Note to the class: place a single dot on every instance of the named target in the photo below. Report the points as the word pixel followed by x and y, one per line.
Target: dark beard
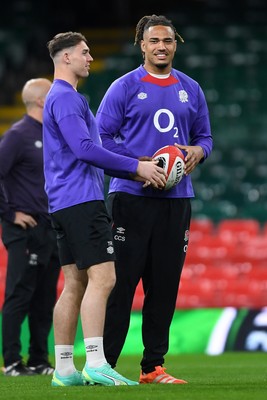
pixel 162 66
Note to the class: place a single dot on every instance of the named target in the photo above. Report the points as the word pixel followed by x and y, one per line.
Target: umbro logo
pixel 120 230
pixel 142 96
pixel 66 355
pixel 90 348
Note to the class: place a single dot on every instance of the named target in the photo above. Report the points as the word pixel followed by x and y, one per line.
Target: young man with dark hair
pixel 74 160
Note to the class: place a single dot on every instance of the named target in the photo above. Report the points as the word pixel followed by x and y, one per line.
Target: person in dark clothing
pixel 33 265
pixel 147 108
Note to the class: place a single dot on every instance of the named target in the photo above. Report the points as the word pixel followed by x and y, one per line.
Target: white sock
pixel 94 352
pixel 64 360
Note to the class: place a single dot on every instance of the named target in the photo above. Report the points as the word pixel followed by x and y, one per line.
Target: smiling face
pixel 79 58
pixel 158 47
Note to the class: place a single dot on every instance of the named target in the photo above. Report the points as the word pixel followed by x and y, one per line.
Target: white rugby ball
pixel 171 159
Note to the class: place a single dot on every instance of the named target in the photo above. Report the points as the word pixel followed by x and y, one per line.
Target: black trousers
pixel 150 239
pixel 31 290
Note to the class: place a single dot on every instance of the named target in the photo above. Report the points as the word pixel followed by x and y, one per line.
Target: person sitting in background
pixel 32 265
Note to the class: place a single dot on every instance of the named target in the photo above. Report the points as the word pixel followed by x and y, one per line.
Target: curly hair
pixel 152 20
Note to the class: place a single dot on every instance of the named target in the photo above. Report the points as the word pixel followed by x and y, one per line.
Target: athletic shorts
pixel 84 234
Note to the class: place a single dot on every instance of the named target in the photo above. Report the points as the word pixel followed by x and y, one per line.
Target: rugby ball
pixel 171 159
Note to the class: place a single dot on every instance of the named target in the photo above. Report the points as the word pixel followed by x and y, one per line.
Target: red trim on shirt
pixel 160 82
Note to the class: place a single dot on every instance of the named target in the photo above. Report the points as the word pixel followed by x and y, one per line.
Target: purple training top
pixel 74 158
pixel 140 113
pixel 21 170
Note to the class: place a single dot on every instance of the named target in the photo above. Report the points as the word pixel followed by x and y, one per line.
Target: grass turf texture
pixel 231 376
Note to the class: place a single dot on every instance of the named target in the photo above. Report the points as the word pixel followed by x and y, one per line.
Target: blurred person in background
pixel 150 107
pixel 33 265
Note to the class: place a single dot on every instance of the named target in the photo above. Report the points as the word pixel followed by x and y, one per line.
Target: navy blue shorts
pixel 84 234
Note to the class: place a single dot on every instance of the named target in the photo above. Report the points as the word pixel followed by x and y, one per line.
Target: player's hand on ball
pixel 193 157
pixel 148 183
pixel 154 186
pixel 171 159
pixel 149 171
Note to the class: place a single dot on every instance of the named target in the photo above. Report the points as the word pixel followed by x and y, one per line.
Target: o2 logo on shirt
pixel 168 117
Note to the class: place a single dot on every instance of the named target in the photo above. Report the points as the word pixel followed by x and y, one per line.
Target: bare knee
pixel 103 276
pixel 75 283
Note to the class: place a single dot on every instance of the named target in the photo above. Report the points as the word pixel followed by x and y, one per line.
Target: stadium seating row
pixel 226 265
pixel 229 61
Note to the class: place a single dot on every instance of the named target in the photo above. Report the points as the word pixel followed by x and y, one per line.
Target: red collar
pixel 160 82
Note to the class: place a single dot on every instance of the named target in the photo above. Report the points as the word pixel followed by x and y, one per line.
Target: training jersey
pixel 21 170
pixel 140 114
pixel 74 158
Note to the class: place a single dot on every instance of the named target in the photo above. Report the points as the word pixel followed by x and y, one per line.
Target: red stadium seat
pixel 252 250
pixel 238 230
pixel 264 229
pixel 247 293
pixel 193 270
pixel 199 228
pixel 138 297
pixel 201 293
pixel 212 248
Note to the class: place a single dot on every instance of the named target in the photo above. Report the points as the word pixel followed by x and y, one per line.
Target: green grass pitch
pixel 230 376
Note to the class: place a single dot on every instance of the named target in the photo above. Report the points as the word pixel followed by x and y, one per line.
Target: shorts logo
pixel 120 234
pixel 110 249
pixel 186 235
pixel 33 259
pixel 186 238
